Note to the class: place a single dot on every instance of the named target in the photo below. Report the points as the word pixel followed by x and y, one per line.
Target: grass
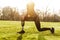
pixel 9 29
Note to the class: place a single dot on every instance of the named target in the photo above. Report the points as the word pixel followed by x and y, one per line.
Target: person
pixel 31 15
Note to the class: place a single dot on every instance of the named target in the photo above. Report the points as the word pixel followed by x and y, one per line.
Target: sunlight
pixel 39 4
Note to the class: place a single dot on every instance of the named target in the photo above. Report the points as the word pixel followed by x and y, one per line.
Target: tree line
pixel 11 13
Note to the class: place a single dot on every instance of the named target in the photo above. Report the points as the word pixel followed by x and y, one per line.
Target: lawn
pixel 9 29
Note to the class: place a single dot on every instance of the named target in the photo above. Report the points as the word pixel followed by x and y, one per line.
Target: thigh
pixel 37 22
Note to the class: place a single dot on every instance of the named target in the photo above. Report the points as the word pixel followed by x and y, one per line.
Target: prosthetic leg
pixel 22 23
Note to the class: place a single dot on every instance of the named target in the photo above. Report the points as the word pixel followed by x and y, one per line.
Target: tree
pixel 10 13
pixel 6 11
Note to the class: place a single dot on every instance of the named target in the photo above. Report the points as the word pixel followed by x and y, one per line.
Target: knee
pixel 39 29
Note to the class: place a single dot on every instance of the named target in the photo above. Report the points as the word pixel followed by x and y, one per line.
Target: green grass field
pixel 9 29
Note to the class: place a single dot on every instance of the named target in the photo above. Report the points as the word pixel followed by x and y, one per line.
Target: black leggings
pixel 38 25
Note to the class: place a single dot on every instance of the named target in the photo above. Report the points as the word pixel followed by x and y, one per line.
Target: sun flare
pixel 39 4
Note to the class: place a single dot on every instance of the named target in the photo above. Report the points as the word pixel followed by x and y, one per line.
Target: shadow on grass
pixel 30 36
pixel 36 35
pixel 20 37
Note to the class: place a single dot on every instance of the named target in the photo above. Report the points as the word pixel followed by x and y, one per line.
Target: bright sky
pixel 39 4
